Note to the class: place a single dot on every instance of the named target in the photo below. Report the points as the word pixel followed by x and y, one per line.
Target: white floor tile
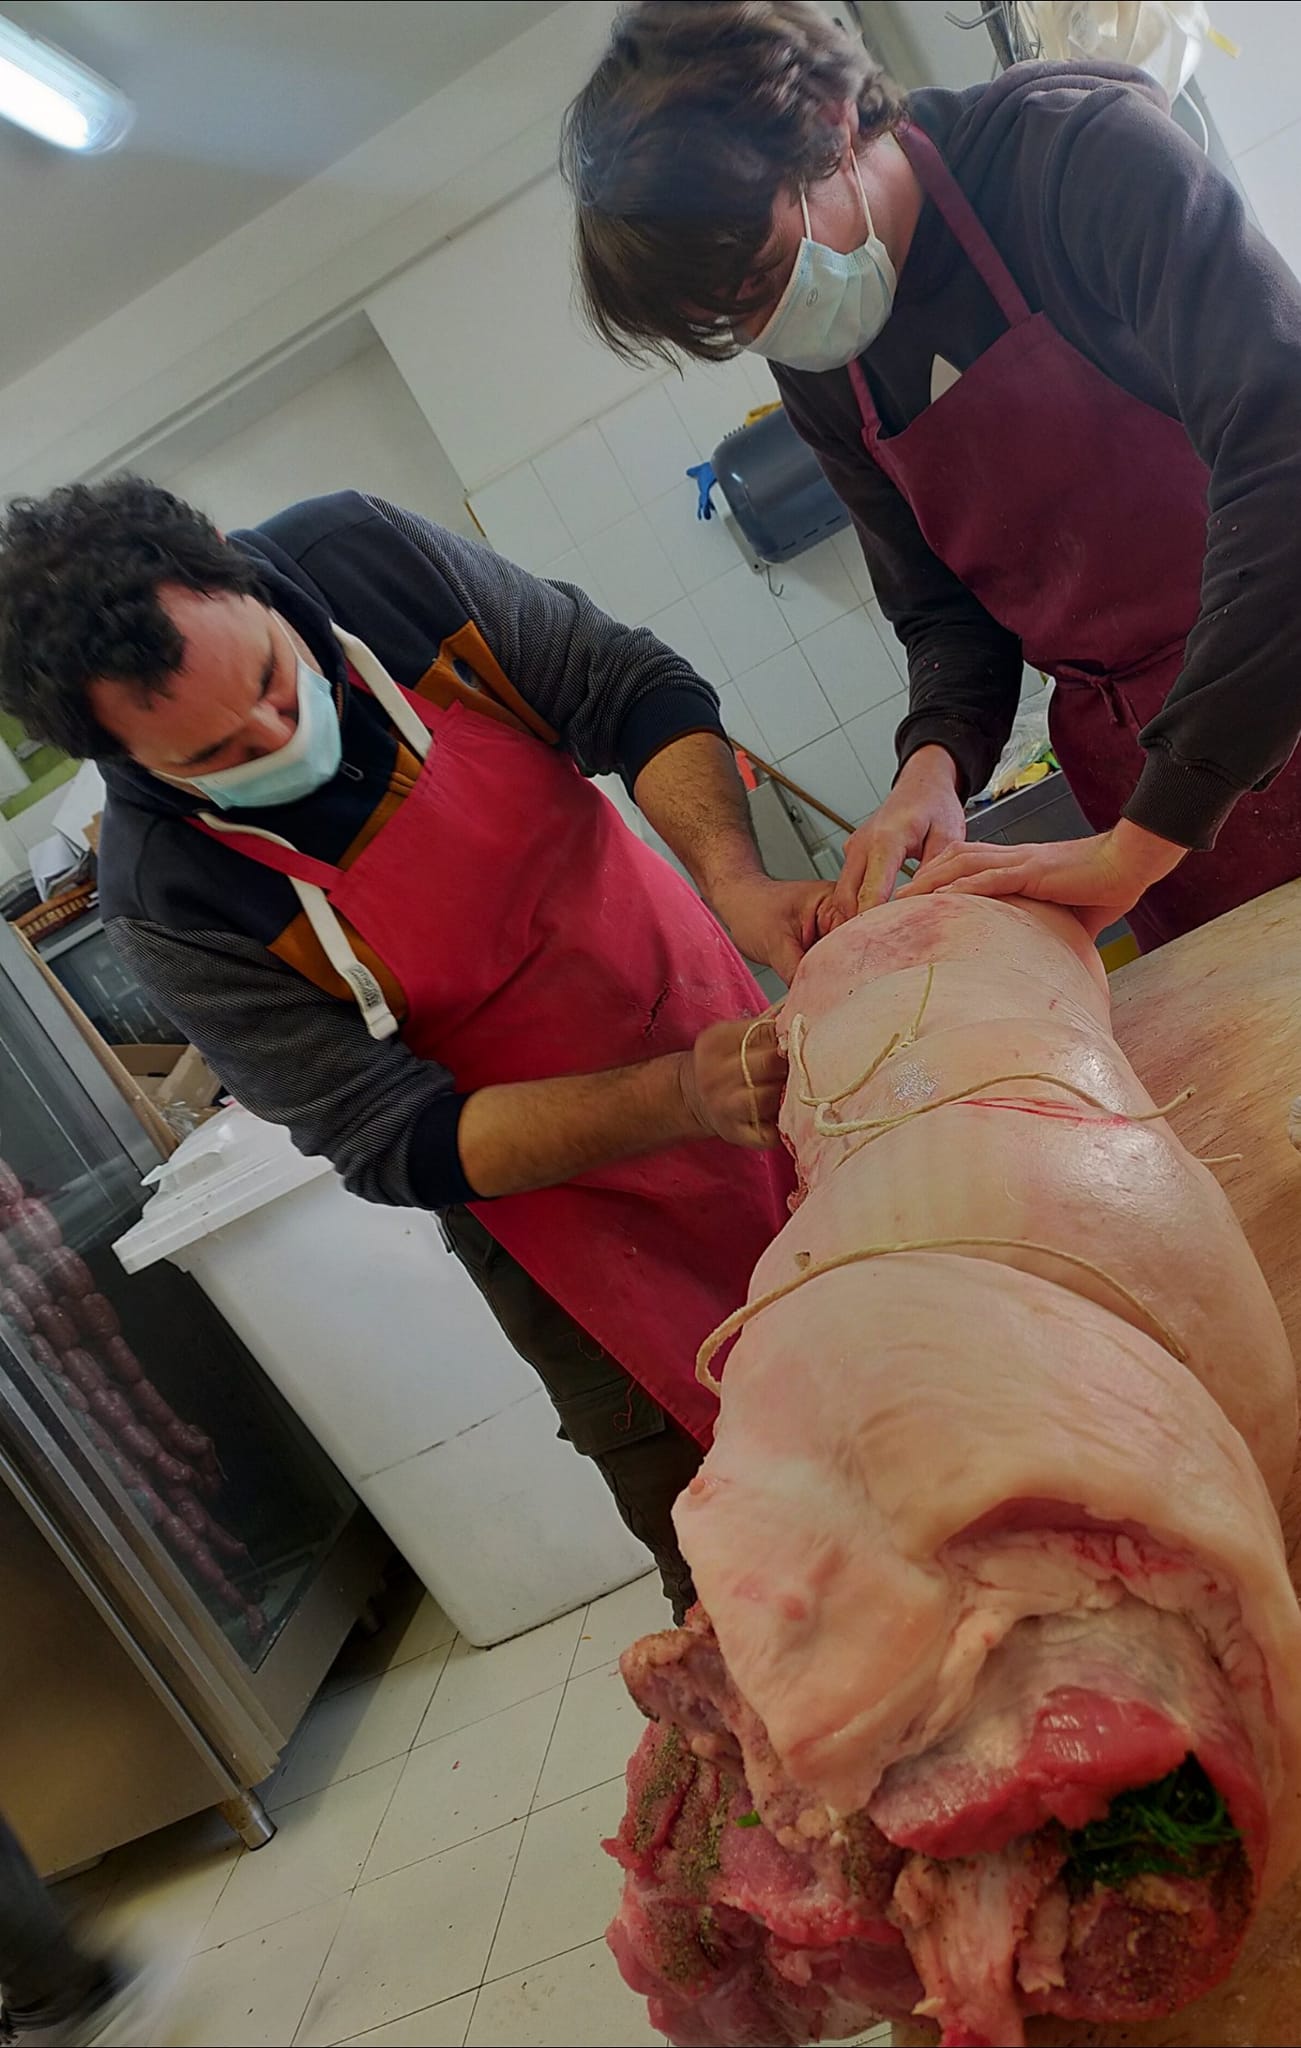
pixel 598 1728
pixel 413 1939
pixel 577 2000
pixel 414 1625
pixel 252 1993
pixel 167 1884
pixel 565 1889
pixel 465 1784
pixel 438 2026
pixel 480 1682
pixel 348 1732
pixel 619 1619
pixel 319 1848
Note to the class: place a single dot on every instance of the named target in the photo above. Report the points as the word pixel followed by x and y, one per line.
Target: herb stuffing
pixel 1174 1828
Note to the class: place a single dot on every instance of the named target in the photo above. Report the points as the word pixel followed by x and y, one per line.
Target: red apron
pixel 1077 515
pixel 534 935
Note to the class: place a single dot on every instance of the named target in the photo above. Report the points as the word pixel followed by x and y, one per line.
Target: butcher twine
pixel 876 1127
pixel 741 1316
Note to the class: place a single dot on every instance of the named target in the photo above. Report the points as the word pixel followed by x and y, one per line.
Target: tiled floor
pixel 436 1878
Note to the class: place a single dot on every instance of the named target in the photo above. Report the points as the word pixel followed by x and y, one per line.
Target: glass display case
pixel 144 1443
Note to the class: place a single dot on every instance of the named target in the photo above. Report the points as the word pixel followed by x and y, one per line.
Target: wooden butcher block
pixel 1222 1009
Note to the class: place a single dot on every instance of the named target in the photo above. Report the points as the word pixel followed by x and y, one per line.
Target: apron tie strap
pixel 940 185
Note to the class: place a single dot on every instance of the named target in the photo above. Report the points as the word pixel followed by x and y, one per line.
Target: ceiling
pixel 237 101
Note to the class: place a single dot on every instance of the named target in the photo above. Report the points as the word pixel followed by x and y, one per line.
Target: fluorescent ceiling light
pixel 53 96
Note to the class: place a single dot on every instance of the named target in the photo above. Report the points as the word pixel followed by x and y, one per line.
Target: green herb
pixel 1173 1828
pixel 749 1820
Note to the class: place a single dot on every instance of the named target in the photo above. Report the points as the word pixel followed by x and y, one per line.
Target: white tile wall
pixel 802 658
pixel 585 483
pixel 783 695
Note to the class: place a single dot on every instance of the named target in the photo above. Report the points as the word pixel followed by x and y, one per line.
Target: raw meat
pixel 995 1709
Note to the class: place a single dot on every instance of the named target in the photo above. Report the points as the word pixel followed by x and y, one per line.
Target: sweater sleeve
pixel 616 694
pixel 385 1119
pixel 964 669
pixel 1159 240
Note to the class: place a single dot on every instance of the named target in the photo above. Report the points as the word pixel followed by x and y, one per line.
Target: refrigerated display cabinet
pixel 179 1560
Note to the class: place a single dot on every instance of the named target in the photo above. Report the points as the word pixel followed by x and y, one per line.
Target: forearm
pixel 537 1134
pixel 691 793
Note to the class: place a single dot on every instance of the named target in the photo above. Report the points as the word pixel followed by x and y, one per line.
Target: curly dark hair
pixel 79 578
pixel 695 120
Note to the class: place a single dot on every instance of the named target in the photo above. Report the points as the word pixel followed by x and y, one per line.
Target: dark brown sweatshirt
pixel 1115 225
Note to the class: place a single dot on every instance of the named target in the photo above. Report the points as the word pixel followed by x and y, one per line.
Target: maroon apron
pixel 1077 515
pixel 534 935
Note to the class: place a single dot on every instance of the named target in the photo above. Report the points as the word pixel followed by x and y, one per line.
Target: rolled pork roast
pixel 990 1704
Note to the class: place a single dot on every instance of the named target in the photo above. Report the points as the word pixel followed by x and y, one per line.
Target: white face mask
pixel 834 305
pixel 308 759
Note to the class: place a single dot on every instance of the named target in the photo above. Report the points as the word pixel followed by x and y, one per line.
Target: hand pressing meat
pixel 996 1708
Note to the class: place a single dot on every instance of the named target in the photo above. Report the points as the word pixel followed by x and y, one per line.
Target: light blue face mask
pixel 834 305
pixel 309 758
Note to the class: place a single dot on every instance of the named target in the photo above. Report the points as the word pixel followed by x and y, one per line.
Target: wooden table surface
pixel 1221 1008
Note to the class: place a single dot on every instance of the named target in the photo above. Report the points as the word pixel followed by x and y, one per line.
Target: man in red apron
pixel 349 848
pixel 1055 375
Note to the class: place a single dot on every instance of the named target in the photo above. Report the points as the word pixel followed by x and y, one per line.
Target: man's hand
pixel 774 923
pixel 920 819
pixel 717 1095
pixel 1101 877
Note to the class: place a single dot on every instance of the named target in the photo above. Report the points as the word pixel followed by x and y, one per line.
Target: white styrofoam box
pixel 584 483
pixel 784 696
pixel 700 550
pixel 850 549
pixel 682 628
pixel 743 618
pixel 711 399
pixel 547 1535
pixel 831 771
pixel 633 569
pixel 814 589
pixel 650 444
pixel 851 663
pixel 872 737
pixel 740 723
pixel 520 519
pixel 574 567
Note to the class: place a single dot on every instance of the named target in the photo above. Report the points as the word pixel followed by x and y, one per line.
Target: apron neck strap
pixel 400 706
pixel 955 209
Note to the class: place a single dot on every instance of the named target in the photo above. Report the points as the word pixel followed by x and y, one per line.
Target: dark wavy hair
pixel 698 116
pixel 79 577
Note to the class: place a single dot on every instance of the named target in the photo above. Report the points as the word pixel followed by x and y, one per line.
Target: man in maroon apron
pixel 350 849
pixel 1055 375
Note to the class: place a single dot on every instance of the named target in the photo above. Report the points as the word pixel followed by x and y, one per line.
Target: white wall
pixel 1255 99
pixel 808 673
pixel 485 333
pixel 277 280
pixel 358 428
